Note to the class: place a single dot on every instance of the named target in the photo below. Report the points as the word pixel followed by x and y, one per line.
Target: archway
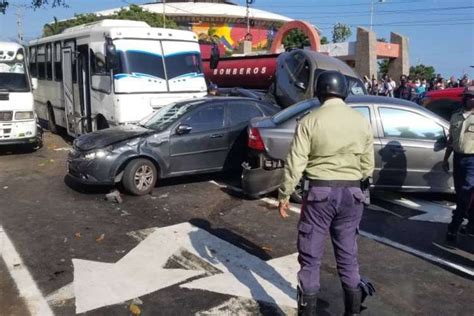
pixel 307 28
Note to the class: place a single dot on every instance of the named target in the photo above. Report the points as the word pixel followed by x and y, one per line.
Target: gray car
pixel 188 137
pixel 409 146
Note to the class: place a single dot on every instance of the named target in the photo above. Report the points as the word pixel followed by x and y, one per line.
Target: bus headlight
pixel 24 115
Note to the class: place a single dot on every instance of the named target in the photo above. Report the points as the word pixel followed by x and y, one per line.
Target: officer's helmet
pixel 331 83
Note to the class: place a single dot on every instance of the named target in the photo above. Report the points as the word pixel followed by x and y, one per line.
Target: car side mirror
pixel 214 61
pixel 183 129
pixel 34 83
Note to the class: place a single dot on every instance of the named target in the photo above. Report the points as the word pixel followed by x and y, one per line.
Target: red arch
pixel 307 28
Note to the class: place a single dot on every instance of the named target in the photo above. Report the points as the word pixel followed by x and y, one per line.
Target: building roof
pixel 226 11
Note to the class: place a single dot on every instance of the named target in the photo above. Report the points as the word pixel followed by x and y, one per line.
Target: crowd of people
pixel 412 89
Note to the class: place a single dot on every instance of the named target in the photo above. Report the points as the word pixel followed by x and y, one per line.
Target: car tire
pixel 53 128
pixel 139 177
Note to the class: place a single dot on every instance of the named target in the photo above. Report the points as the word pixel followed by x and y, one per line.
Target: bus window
pixel 49 63
pixel 58 67
pixel 97 62
pixel 41 62
pixel 33 65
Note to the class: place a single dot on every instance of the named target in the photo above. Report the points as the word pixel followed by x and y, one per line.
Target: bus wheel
pixel 139 177
pixel 101 123
pixel 53 128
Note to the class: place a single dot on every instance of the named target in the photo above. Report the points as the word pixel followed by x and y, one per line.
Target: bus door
pixel 68 88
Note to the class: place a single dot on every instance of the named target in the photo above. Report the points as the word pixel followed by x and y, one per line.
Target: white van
pixel 18 123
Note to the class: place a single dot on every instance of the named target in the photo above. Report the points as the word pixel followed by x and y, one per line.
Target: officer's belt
pixel 334 183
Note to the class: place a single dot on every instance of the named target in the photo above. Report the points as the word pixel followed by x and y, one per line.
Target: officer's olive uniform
pixel 333 145
pixel 462 141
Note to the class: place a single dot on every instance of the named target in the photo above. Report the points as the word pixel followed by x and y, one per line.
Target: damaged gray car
pixel 195 136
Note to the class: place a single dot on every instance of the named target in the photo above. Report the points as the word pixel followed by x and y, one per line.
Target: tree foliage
pixel 340 33
pixel 297 39
pixel 35 4
pixel 134 12
pixel 383 66
pixel 422 72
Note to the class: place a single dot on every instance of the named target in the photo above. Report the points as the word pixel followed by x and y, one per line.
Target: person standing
pixel 404 91
pixel 333 146
pixel 461 141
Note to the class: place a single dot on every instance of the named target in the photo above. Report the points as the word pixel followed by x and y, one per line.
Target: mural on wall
pixel 230 35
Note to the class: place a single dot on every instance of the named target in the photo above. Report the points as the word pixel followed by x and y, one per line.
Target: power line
pixel 346 5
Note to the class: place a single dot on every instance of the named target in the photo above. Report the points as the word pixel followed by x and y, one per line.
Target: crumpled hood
pixel 109 136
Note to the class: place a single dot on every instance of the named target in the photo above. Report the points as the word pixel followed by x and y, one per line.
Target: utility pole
pixel 164 16
pixel 372 8
pixel 19 24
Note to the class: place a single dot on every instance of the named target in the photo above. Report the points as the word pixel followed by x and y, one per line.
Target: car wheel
pixel 297 195
pixel 139 177
pixel 53 128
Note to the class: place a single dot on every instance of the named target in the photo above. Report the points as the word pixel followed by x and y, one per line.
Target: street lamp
pixel 372 3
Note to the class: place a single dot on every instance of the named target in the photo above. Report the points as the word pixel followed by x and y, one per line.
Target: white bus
pixel 18 123
pixel 112 72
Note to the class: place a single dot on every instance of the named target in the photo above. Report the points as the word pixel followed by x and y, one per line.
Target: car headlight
pixel 24 115
pixel 98 153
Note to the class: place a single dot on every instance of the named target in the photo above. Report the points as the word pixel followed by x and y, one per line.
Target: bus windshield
pixel 146 64
pixel 13 76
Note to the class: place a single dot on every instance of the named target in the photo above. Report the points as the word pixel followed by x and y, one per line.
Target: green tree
pixel 341 32
pixel 383 66
pixel 296 39
pixel 324 40
pixel 35 4
pixel 422 71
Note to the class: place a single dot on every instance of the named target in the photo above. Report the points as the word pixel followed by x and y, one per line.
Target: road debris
pixel 78 235
pixel 134 309
pixel 114 197
pixel 100 238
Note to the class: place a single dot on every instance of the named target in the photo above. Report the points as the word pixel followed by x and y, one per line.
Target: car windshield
pixel 167 115
pixel 13 76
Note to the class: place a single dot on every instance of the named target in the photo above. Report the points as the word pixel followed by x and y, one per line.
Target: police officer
pixel 333 146
pixel 461 141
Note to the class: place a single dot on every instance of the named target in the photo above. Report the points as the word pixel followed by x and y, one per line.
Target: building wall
pixel 231 34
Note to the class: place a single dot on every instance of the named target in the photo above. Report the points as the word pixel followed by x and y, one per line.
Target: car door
pixel 368 112
pixel 205 146
pixel 411 152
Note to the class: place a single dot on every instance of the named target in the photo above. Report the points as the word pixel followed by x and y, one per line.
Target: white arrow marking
pixel 142 270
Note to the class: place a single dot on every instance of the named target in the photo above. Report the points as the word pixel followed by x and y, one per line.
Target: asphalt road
pixel 196 247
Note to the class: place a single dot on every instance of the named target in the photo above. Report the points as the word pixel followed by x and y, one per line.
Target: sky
pixel 440 32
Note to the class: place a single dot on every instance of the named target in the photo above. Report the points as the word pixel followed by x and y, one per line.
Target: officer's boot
pixel 352 301
pixel 306 303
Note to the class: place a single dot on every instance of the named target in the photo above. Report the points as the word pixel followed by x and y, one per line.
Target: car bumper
pixel 258 181
pixel 20 133
pixel 91 172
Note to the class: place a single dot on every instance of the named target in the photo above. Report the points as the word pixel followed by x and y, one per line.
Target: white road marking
pixel 418 253
pixel 27 287
pixel 433 212
pixel 242 307
pixel 225 186
pixel 62 149
pixel 143 271
pixel 58 297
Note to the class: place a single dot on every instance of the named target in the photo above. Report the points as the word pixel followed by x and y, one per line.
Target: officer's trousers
pixel 337 210
pixel 463 174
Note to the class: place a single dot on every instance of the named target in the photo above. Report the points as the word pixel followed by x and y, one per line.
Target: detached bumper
pixel 258 181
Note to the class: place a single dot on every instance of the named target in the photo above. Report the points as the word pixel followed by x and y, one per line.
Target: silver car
pixel 409 146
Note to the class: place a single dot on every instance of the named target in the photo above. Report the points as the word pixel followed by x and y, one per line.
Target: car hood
pixel 109 136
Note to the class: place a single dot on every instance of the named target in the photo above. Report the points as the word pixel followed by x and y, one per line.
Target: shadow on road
pixel 247 275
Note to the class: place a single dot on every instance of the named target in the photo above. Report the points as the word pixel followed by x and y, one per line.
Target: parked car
pixel 443 102
pixel 194 136
pixel 408 140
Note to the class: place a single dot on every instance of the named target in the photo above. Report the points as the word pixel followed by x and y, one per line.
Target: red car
pixel 443 102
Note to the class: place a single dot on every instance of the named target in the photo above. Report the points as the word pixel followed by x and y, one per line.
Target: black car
pixel 188 137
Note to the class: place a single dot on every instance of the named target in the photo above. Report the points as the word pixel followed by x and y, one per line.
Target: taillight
pixel 255 140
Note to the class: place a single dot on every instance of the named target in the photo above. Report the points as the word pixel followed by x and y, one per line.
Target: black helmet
pixel 331 83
